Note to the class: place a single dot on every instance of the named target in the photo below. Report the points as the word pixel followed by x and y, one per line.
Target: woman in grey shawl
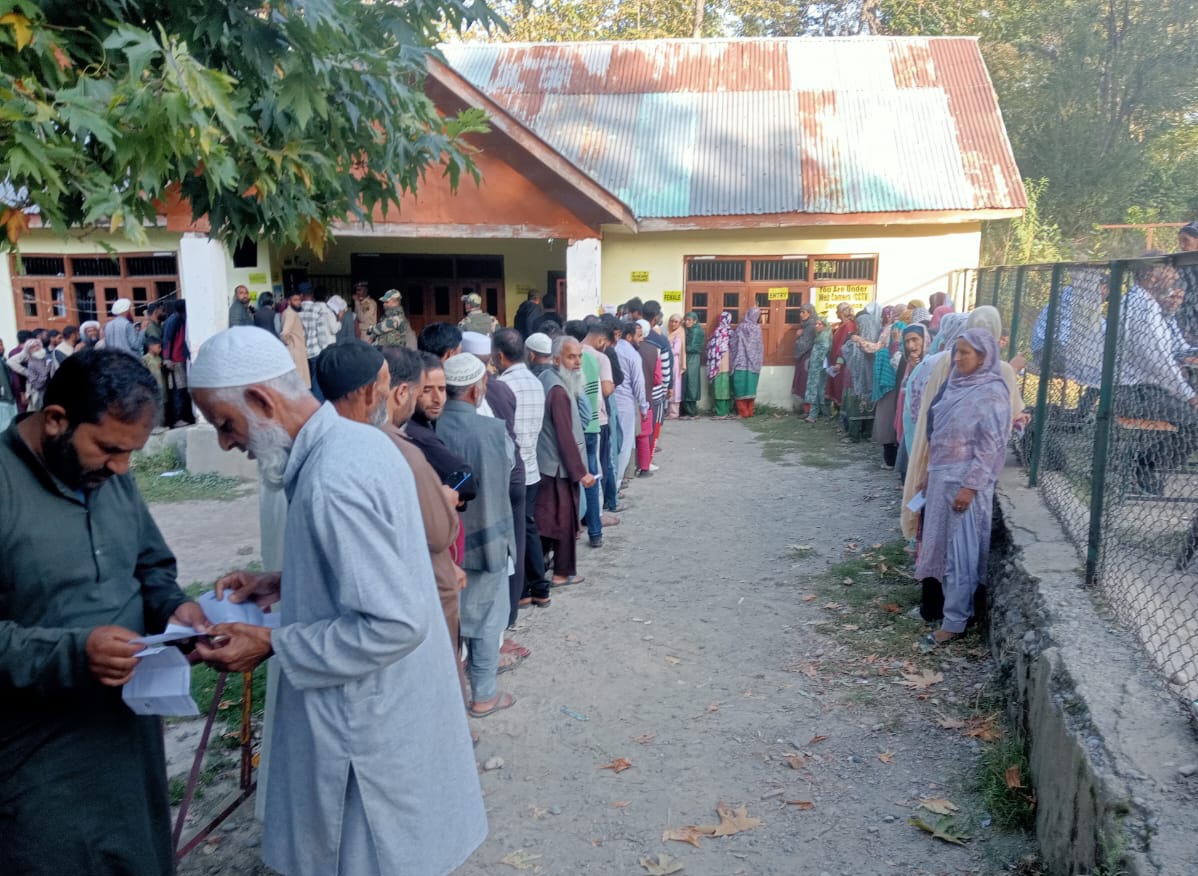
pixel 746 353
pixel 860 364
pixel 804 341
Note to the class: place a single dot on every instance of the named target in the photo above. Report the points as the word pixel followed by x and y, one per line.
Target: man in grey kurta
pixel 490 534
pixel 83 571
pixel 372 767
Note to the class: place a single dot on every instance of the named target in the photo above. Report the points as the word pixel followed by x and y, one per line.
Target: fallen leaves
pixel 983 727
pixel 713 707
pixel 618 765
pixel 810 597
pixel 520 859
pixel 644 738
pixel 892 607
pixel 1014 778
pixel 921 680
pixel 795 761
pixel 817 739
pixel 802 805
pixel 938 805
pixel 886 757
pixel 732 821
pixel 620 804
pixel 942 830
pixel 661 865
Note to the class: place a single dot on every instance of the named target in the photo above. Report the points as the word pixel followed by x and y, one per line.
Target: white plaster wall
pixel 8 306
pixel 203 277
pixel 583 278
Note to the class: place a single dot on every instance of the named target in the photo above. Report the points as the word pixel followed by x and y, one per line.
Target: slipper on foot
pixel 573 579
pixel 511 646
pixel 502 701
pixel 512 661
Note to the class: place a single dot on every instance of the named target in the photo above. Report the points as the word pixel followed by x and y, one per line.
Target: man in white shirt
pixel 507 346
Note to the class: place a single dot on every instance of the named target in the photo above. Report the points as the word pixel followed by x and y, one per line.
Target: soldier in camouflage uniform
pixel 477 319
pixel 393 329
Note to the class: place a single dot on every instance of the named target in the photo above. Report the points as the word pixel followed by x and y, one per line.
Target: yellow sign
pixel 672 296
pixel 640 276
pixel 779 294
pixel 825 298
pixel 522 290
pixel 258 279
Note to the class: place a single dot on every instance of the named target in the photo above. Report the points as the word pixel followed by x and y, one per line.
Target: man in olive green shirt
pixel 83 572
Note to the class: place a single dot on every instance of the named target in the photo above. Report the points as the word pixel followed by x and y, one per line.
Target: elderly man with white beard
pixel 372 766
pixel 561 457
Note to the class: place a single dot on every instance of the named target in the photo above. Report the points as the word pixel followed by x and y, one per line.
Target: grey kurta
pixel 368 687
pixel 82 778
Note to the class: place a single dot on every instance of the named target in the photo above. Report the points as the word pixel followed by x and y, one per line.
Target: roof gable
pixel 692 128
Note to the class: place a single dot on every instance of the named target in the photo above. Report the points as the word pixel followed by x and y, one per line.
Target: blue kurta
pixel 370 745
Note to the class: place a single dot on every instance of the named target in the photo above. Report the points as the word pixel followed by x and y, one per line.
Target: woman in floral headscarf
pixel 718 365
pixel 747 354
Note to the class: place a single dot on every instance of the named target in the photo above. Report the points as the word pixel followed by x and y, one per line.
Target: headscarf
pixel 805 339
pixel 858 362
pixel 694 335
pixel 921 314
pixel 938 314
pixel 951 326
pixel 749 350
pixel 717 347
pixel 884 369
pixel 986 317
pixel 963 394
pixel 677 335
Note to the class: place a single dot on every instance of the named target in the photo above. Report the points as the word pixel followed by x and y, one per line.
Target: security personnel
pixel 393 329
pixel 477 319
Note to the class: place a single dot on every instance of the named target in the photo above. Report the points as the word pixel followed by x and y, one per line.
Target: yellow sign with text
pixel 640 276
pixel 672 296
pixel 258 279
pixel 780 293
pixel 825 298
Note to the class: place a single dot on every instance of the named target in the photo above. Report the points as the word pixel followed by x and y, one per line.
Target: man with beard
pixel 490 535
pixel 372 768
pixel 421 429
pixel 83 573
pixel 356 380
pixel 291 332
pixel 561 457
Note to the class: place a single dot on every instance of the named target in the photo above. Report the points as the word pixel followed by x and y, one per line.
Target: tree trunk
pixel 700 9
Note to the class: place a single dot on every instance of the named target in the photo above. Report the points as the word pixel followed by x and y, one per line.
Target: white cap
pixel 121 305
pixel 645 327
pixel 239 356
pixel 476 343
pixel 464 369
pixel 540 343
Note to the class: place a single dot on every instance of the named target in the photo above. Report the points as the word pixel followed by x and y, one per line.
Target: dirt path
pixel 691 652
pixel 211 537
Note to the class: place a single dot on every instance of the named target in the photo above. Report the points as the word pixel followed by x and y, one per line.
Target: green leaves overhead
pixel 273 119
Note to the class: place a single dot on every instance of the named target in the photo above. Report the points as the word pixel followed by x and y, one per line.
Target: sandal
pixel 929 643
pixel 573 579
pixel 502 701
pixel 508 662
pixel 511 646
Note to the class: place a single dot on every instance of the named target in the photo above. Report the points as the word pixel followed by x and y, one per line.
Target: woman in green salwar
pixel 719 366
pixel 692 387
pixel 747 355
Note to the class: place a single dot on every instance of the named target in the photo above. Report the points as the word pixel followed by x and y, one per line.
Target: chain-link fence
pixel 1107 357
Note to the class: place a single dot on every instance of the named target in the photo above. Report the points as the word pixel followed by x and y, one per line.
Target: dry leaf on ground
pixel 537 811
pixel 942 831
pixel 795 761
pixel 805 805
pixel 661 865
pixel 618 765
pixel 810 597
pixel 620 804
pixel 1014 779
pixel 644 738
pixel 815 739
pixel 713 707
pixel 951 723
pixel 886 757
pixel 985 728
pixel 733 820
pixel 938 805
pixel 520 859
pixel 922 680
pixel 689 834
pixel 891 607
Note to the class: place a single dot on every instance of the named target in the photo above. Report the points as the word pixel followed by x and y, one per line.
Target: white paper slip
pixel 917 502
pixel 222 611
pixel 172 633
pixel 161 684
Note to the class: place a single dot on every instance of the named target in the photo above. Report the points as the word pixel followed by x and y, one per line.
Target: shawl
pixel 717 347
pixel 860 365
pixel 805 339
pixel 821 344
pixel 902 379
pixel 951 326
pixel 749 350
pixel 962 394
pixel 939 313
pixel 677 339
pixel 921 314
pixel 988 318
pixel 885 376
pixel 695 339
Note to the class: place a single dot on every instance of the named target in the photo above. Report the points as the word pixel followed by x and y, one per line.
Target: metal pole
pixel 1104 421
pixel 1016 306
pixel 998 275
pixel 1054 294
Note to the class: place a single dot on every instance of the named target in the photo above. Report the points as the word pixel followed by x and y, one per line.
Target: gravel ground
pixel 698 651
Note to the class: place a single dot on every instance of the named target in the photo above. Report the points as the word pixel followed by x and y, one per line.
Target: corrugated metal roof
pixel 688 128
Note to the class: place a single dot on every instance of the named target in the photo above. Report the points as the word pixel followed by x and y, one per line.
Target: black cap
pixel 1190 230
pixel 346 367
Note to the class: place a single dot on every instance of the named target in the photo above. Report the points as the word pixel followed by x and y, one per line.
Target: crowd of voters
pixel 477 459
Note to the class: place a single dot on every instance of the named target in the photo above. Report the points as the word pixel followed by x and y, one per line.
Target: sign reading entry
pixel 779 293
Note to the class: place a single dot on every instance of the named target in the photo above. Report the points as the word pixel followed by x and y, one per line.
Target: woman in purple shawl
pixel 747 352
pixel 968 426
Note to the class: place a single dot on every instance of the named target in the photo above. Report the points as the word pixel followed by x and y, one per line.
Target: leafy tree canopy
pixel 272 118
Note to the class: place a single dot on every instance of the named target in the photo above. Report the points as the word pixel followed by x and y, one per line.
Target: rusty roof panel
pixel 681 128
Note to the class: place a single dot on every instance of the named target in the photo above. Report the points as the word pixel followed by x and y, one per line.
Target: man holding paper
pixel 83 573
pixel 372 770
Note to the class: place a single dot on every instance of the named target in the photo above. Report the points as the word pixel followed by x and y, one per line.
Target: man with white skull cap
pixel 372 765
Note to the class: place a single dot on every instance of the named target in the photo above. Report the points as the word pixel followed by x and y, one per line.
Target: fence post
pixel 998 275
pixel 1050 335
pixel 1016 306
pixel 1104 420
